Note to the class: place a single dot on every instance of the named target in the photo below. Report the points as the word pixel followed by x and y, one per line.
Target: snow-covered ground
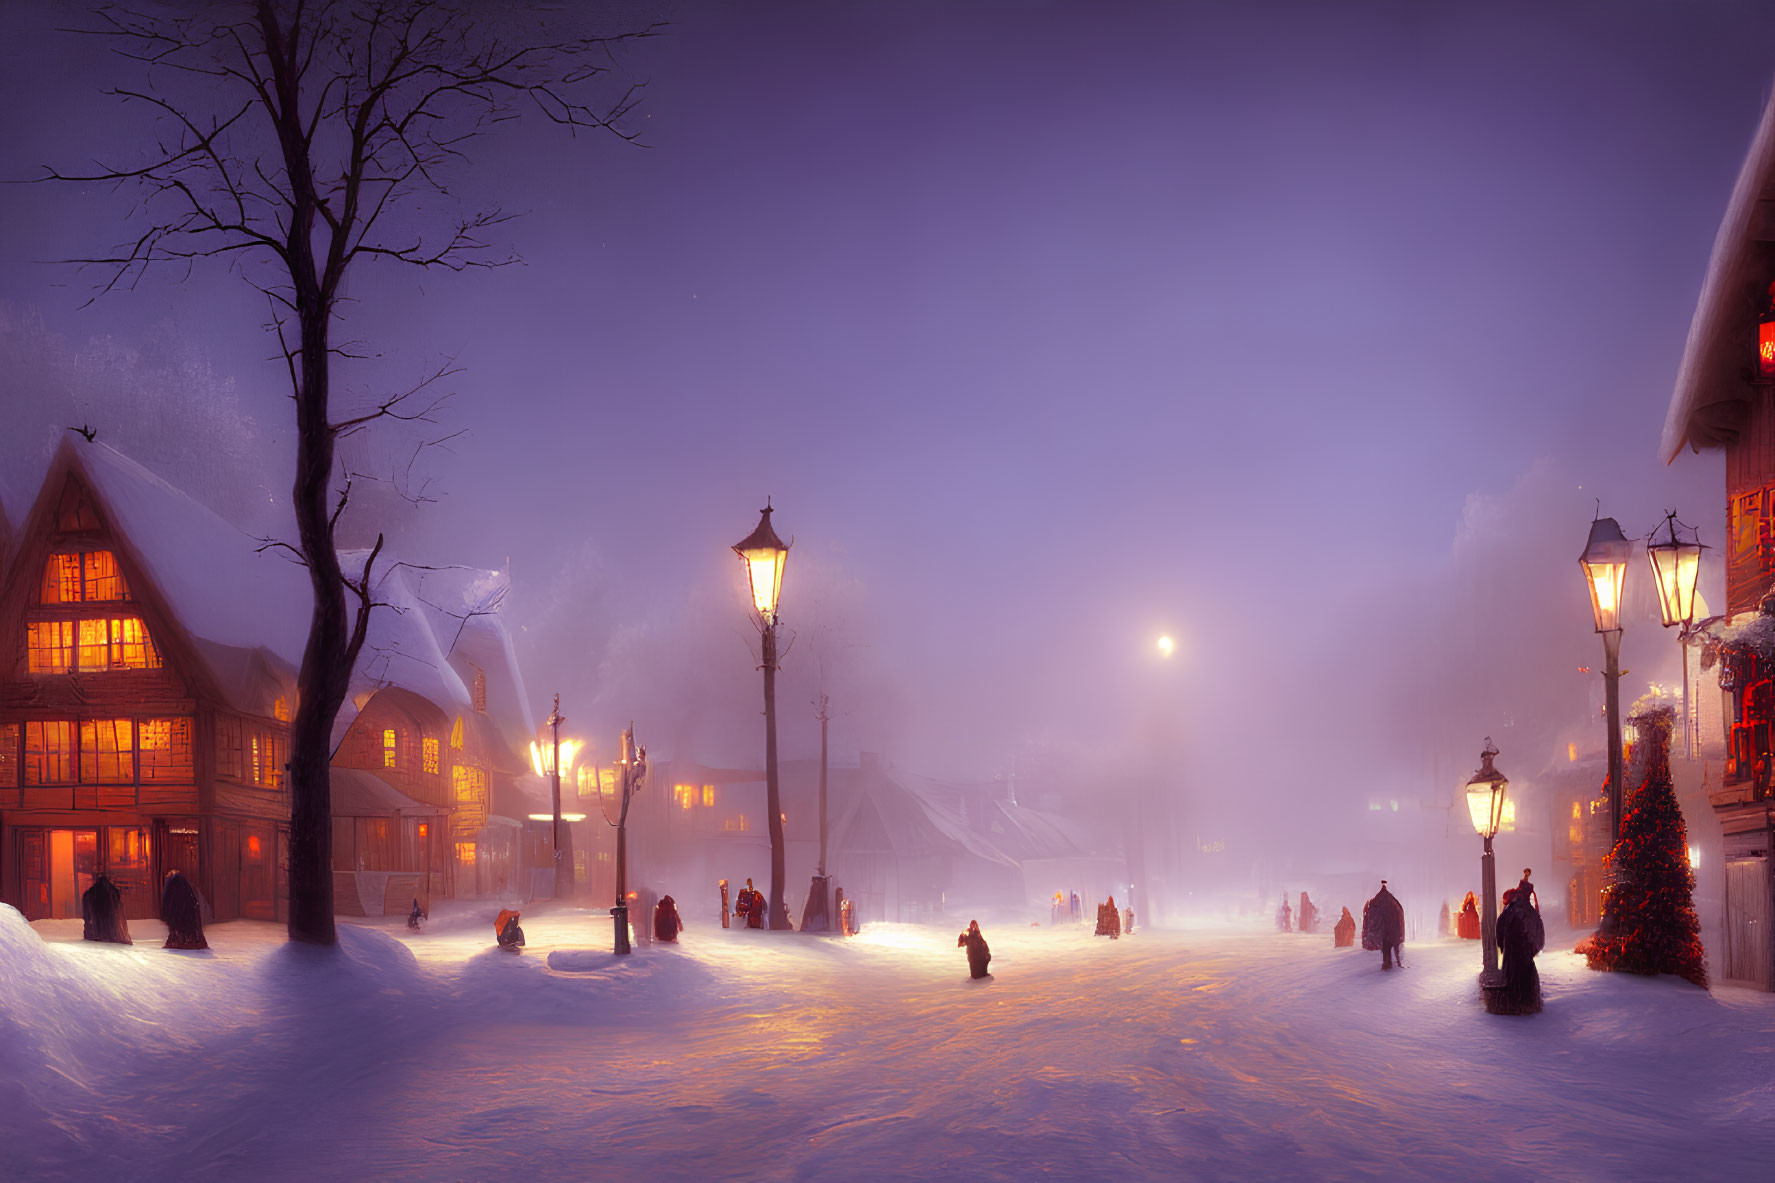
pixel 1190 1055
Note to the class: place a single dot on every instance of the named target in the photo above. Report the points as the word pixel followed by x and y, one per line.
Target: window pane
pixel 107 752
pixel 128 849
pixel 131 647
pixel 103 580
pixel 49 752
pixel 388 749
pixel 61 580
pixel 8 755
pixel 49 646
pixel 164 750
pixel 95 645
pixel 429 754
pixel 228 755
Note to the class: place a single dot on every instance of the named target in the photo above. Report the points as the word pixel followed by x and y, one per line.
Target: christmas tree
pixel 1649 924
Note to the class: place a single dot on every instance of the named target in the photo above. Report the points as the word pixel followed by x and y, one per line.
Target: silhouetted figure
pixel 1467 925
pixel 979 954
pixel 1127 920
pixel 1442 920
pixel 667 924
pixel 101 910
pixel 1307 920
pixel 182 913
pixel 724 911
pixel 1343 933
pixel 415 916
pixel 1109 920
pixel 1520 937
pixel 1284 916
pixel 1526 889
pixel 1078 913
pixel 1383 927
pixel 847 915
pixel 750 905
pixel 506 930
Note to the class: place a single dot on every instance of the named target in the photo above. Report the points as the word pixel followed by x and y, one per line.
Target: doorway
pixel 73 865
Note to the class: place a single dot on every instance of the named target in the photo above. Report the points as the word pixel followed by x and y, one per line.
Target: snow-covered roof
pixel 1711 400
pixel 915 826
pixel 213 576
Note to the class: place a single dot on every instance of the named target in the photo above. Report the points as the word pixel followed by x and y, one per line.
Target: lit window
pixel 428 753
pixel 49 752
pixel 131 647
pixel 103 580
pixel 684 793
pixel 280 710
pixel 107 751
pixel 254 850
pixel 388 748
pixel 8 755
pixel 163 750
pixel 708 796
pixel 423 830
pixel 128 849
pixel 61 580
pixel 456 735
pixel 49 646
pixel 465 853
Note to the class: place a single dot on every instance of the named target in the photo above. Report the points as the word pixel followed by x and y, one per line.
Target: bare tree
pixel 297 139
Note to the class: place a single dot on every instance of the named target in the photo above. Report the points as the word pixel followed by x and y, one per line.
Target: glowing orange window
pixel 428 753
pixel 49 646
pixel 103 580
pixel 107 751
pixel 389 740
pixel 61 580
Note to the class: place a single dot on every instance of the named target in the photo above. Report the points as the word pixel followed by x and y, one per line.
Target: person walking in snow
pixel 754 907
pixel 182 913
pixel 667 924
pixel 1127 919
pixel 1077 912
pixel 1526 889
pixel 1307 919
pixel 979 954
pixel 1467 923
pixel 847 915
pixel 1343 933
pixel 415 916
pixel 1109 920
pixel 507 932
pixel 1284 916
pixel 724 907
pixel 101 913
pixel 1520 937
pixel 1383 927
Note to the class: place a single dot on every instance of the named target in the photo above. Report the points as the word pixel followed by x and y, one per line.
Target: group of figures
pixel 751 910
pixel 1110 922
pixel 102 919
pixel 1306 920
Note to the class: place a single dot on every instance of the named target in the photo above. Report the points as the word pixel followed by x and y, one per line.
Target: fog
pixel 1311 336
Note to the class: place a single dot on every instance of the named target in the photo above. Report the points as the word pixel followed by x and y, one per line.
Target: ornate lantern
pixel 1485 795
pixel 1676 565
pixel 765 555
pixel 1605 569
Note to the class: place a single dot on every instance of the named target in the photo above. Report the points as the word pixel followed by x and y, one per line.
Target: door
pixel 73 865
pixel 1746 943
pixel 34 870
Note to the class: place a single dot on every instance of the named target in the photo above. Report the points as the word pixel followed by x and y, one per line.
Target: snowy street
pixel 1201 1055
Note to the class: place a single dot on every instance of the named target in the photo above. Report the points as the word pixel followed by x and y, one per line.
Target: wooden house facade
pixel 1725 400
pixel 144 697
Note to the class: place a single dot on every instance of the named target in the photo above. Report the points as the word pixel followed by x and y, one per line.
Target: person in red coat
pixel 1467 923
pixel 667 924
pixel 1343 934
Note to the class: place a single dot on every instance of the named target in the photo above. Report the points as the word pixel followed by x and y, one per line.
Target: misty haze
pixel 901 591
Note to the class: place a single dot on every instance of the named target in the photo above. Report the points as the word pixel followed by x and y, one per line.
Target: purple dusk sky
pixel 1048 327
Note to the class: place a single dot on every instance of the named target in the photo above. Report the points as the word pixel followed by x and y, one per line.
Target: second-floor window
pixel 89 646
pixel 391 748
pixel 85 578
pixel 428 753
pixel 96 751
pixel 250 752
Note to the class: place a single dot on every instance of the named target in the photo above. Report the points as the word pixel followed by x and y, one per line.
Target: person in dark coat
pixel 742 904
pixel 1307 919
pixel 101 910
pixel 979 954
pixel 182 913
pixel 1383 927
pixel 1284 916
pixel 667 924
pixel 1343 933
pixel 1520 937
pixel 415 916
pixel 505 928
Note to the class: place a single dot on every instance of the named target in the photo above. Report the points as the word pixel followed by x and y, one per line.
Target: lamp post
pixel 630 775
pixel 548 762
pixel 765 555
pixel 1676 568
pixel 1605 572
pixel 816 914
pixel 1485 805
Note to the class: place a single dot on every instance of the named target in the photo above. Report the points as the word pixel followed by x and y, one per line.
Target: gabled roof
pixel 358 792
pixel 1712 397
pixel 913 825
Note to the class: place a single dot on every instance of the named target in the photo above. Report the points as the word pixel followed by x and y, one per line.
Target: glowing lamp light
pixel 1766 341
pixel 1694 858
pixel 1167 646
pixel 765 556
pixel 549 817
pixel 1485 795
pixel 1605 569
pixel 1676 566
pixel 542 757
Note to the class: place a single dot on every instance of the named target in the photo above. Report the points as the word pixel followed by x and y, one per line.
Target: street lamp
pixel 1605 572
pixel 1676 568
pixel 552 760
pixel 1485 805
pixel 765 556
pixel 630 775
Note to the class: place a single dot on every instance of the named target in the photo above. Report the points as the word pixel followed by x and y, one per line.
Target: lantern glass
pixel 765 556
pixel 1485 804
pixel 1605 570
pixel 1676 566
